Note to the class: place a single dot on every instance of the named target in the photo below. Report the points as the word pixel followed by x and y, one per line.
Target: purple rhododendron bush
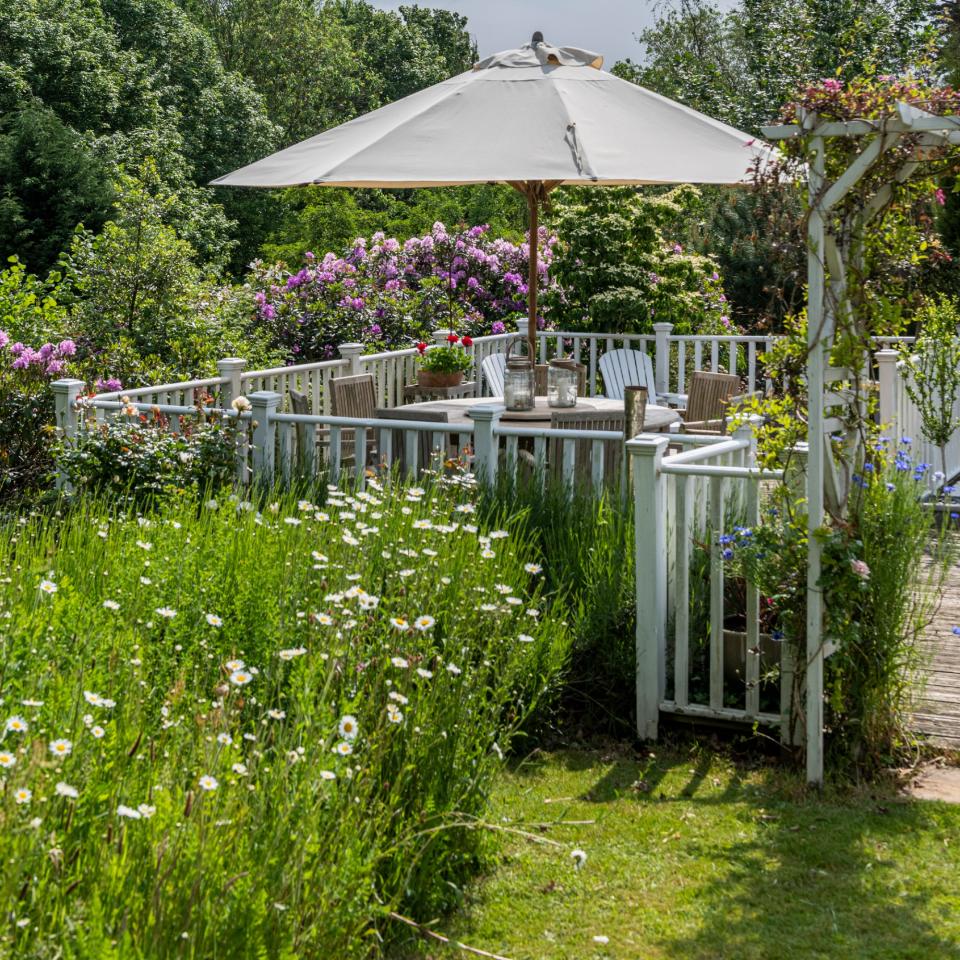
pixel 389 294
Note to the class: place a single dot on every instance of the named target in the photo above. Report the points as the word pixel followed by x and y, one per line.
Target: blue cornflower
pixel 777 635
pixel 868 468
pixel 956 631
pixel 727 554
pixel 727 538
pixel 889 486
pixel 907 440
pixel 955 516
pixel 948 489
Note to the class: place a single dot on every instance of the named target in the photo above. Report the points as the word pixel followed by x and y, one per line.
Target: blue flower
pixel 868 468
pixel 727 554
pixel 727 538
pixel 890 486
pixel 948 489
pixel 956 631
pixel 906 440
pixel 777 635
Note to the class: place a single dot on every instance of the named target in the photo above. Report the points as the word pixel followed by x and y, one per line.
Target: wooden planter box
pixel 430 379
pixel 735 655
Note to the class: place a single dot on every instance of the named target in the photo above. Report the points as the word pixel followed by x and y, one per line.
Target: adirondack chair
pixel 354 397
pixel 424 448
pixel 493 368
pixel 708 400
pixel 583 449
pixel 627 368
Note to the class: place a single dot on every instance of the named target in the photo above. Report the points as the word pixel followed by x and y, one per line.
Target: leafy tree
pixel 37 149
pixel 619 267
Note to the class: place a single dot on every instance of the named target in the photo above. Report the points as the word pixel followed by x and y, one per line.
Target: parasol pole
pixel 532 276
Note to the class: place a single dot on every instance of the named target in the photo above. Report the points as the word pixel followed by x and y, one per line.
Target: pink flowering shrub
pixel 389 294
pixel 26 409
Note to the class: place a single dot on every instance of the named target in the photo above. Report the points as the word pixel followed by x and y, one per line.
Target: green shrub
pixel 139 455
pixel 350 760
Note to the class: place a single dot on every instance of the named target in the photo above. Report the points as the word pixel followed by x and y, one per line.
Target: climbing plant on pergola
pixel 869 151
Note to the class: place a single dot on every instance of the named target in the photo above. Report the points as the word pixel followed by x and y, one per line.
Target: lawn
pixel 691 856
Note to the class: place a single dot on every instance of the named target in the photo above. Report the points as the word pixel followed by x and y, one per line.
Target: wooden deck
pixel 937 712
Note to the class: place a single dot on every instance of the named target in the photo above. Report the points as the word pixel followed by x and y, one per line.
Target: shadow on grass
pixel 782 872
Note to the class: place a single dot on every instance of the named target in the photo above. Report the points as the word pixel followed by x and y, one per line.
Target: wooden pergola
pixel 836 400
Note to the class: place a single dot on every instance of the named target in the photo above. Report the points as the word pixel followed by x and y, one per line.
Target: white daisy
pixel 16 724
pixel 128 812
pixel 426 674
pixel 348 727
pixel 168 612
pixel 424 623
pixel 48 587
pixel 61 748
pixel 533 568
pixel 399 662
pixel 65 790
pixel 240 678
pixel 23 795
pixel 525 638
pixel 146 810
pixel 7 759
pixel 327 775
pixel 343 748
pixel 400 623
pixel 208 783
pixel 214 620
pixel 232 665
pixel 97 732
pixel 111 605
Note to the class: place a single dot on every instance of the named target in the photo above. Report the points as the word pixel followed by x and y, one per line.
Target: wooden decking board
pixel 936 712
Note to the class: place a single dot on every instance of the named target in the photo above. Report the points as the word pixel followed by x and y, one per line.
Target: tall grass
pixel 586 547
pixel 275 726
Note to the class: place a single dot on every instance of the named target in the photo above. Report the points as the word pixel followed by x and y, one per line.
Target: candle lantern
pixel 562 377
pixel 518 382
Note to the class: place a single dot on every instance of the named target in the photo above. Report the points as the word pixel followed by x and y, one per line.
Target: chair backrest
pixel 710 395
pixel 353 396
pixel 299 403
pixel 540 379
pixel 627 368
pixel 493 368
pixel 583 449
pixel 424 446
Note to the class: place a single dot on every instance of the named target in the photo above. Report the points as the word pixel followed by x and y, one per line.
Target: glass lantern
pixel 562 379
pixel 518 383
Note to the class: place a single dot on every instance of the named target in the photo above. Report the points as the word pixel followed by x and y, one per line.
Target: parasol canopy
pixel 535 118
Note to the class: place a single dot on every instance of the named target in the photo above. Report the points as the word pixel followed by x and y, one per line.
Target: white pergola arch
pixel 834 392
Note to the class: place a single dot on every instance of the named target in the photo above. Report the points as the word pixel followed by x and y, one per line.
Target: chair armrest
pixel 673 399
pixel 704 427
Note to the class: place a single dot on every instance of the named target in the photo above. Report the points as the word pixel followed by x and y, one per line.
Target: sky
pixel 607 27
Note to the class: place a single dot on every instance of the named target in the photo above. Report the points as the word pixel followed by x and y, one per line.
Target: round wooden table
pixel 656 419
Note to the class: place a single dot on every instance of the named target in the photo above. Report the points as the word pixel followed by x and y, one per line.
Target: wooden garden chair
pixel 540 379
pixel 710 396
pixel 558 449
pixel 354 397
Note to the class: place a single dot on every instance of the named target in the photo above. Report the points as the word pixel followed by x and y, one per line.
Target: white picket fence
pixel 901 419
pixel 681 500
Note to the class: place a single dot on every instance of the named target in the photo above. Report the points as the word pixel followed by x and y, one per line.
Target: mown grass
pixel 692 857
pixel 231 729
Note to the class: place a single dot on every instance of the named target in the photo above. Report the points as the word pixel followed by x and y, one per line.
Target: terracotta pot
pixel 434 378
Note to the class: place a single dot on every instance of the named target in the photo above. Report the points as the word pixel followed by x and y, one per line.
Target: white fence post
pixel 486 450
pixel 352 352
pixel 231 368
pixel 650 527
pixel 264 403
pixel 661 369
pixel 887 375
pixel 65 394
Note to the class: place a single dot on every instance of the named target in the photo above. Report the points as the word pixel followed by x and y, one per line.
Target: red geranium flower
pixel 467 341
pixel 421 347
pixel 452 338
